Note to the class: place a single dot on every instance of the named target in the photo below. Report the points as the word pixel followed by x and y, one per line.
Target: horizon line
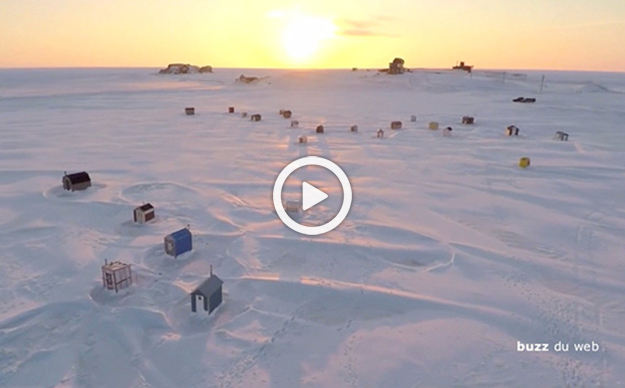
pixel 306 68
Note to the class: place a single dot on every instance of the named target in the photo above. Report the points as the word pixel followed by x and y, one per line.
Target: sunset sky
pixel 510 34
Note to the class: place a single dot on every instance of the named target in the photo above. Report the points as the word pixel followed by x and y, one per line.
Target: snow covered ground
pixel 450 257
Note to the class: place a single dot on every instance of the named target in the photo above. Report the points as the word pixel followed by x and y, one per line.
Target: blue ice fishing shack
pixel 179 242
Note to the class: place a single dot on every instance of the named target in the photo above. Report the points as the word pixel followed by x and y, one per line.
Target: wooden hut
pixel 468 120
pixel 562 136
pixel 189 111
pixel 76 181
pixel 231 109
pixel 255 117
pixel 293 207
pixel 396 125
pixel 433 125
pixel 319 129
pixel 512 130
pixel 287 114
pixel 380 133
pixel 116 275
pixel 353 128
pixel 243 114
pixel 302 140
pixel 524 162
pixel 294 124
pixel 413 118
pixel 144 213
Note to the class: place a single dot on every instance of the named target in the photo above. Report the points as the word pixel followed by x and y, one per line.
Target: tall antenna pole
pixel 542 83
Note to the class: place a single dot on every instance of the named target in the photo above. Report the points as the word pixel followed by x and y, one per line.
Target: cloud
pixel 363 32
pixel 363 28
pixel 357 32
pixel 606 23
pixel 358 23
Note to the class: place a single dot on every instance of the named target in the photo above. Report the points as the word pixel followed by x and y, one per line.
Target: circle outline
pixel 314 161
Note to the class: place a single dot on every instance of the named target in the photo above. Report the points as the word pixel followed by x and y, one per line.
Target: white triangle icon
pixel 311 196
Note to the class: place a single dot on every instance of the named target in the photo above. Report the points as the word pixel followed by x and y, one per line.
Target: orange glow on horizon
pixel 316 34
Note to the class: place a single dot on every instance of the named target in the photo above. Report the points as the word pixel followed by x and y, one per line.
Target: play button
pixel 312 196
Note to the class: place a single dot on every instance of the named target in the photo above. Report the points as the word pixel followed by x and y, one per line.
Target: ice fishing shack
pixel 179 242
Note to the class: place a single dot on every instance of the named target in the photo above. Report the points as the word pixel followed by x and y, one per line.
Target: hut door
pixel 169 247
pixel 199 303
pixel 109 281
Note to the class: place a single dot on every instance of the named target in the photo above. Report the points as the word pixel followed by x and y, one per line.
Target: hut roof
pixel 146 207
pixel 78 177
pixel 115 265
pixel 209 286
pixel 180 234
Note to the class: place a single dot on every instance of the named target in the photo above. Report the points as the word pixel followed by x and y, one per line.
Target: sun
pixel 303 35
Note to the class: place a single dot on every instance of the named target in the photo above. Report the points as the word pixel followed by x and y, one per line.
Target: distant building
pixel 208 296
pixel 76 181
pixel 144 213
pixel 189 111
pixel 462 66
pixel 396 67
pixel 255 117
pixel 353 128
pixel 178 242
pixel 116 275
pixel 380 133
pixel 302 140
pixel 319 129
pixel 185 68
pixel 396 125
